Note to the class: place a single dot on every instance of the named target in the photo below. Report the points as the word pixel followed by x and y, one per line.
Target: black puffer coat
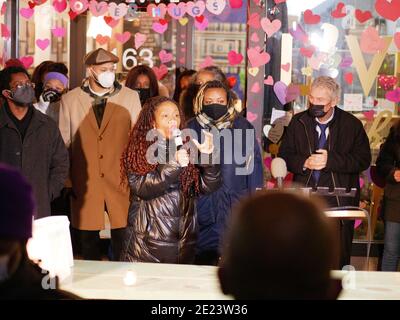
pixel 162 224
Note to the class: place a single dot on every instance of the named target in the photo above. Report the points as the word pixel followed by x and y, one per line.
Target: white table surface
pixel 104 280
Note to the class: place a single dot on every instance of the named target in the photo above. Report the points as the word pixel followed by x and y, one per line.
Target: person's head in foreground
pixel 323 97
pixel 280 246
pixel 20 278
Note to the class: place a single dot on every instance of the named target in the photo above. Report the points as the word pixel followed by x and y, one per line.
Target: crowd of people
pixel 89 149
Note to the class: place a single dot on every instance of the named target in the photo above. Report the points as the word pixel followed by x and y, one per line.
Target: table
pixel 104 280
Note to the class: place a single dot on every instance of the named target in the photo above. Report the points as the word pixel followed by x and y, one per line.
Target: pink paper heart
pixel 78 6
pixel 371 42
pixel 257 58
pixel 43 43
pixel 270 27
pixel 161 71
pixel 369 115
pixel 27 61
pixel 254 21
pixel 177 11
pixel 123 37
pixel 160 28
pixel 307 52
pixel 279 1
pixel 251 116
pixel 98 8
pixel 58 32
pixel 208 62
pixel 267 162
pixel 60 5
pixel 139 39
pixel 393 96
pixel 26 13
pixel 293 92
pixel 269 81
pixel 286 67
pixel 234 58
pixel 3 9
pixel 165 57
pixel 255 88
pixel 396 39
pixel 5 32
pixel 157 11
pixel 201 25
pixel 117 11
pixel 195 9
pixel 254 37
pixel 357 223
pixel 110 21
pixel 215 6
pixel 182 60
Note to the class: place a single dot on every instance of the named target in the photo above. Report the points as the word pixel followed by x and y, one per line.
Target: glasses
pixel 19 85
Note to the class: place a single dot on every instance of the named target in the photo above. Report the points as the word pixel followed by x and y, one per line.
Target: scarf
pixel 99 103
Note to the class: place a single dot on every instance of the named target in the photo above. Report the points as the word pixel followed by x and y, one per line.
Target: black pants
pixel 90 244
pixel 346 241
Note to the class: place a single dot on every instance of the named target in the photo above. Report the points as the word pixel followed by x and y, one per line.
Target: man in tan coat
pixel 95 122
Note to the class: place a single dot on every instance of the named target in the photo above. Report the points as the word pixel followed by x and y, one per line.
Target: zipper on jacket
pixel 309 146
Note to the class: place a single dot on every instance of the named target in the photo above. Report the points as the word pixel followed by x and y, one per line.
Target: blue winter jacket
pixel 214 210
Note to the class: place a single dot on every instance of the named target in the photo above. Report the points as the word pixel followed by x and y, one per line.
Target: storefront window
pixel 43 34
pixel 225 32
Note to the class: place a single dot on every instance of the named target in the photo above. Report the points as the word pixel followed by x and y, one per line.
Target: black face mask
pixel 316 110
pixel 51 95
pixel 144 94
pixel 215 110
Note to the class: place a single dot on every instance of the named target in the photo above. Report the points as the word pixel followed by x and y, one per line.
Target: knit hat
pixel 16 205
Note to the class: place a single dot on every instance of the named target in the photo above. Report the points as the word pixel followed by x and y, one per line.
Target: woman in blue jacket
pixel 241 164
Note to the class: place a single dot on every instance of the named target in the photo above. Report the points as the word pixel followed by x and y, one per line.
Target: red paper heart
pixel 232 81
pixel 200 19
pixel 387 82
pixel 102 40
pixel 348 77
pixel 363 16
pixel 375 103
pixel 339 12
pixel 110 21
pixel 307 52
pixel 164 22
pixel 72 14
pixel 310 18
pixel 235 4
pixel 31 4
pixel 396 39
pixel 388 9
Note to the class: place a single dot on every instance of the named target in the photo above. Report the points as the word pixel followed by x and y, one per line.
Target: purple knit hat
pixel 16 205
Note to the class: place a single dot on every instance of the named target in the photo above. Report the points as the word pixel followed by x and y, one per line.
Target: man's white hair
pixel 327 83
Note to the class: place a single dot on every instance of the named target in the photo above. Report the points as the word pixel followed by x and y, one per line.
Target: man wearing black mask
pixel 30 140
pixel 328 147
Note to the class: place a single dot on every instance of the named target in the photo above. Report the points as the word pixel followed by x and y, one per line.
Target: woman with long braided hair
pixel 162 222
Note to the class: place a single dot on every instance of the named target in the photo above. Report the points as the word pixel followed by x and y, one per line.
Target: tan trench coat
pixel 95 156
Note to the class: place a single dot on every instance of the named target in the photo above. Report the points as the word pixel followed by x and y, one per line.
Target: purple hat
pixel 16 205
pixel 56 75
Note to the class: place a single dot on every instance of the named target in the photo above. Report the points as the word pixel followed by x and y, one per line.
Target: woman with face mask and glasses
pixel 238 153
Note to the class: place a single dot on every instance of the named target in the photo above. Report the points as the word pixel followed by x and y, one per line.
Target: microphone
pixel 279 170
pixel 177 136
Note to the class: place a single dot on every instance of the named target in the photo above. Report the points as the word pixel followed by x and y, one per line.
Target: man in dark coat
pixel 326 146
pixel 30 140
pixel 20 278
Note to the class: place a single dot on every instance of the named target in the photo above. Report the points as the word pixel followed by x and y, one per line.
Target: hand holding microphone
pixel 182 155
